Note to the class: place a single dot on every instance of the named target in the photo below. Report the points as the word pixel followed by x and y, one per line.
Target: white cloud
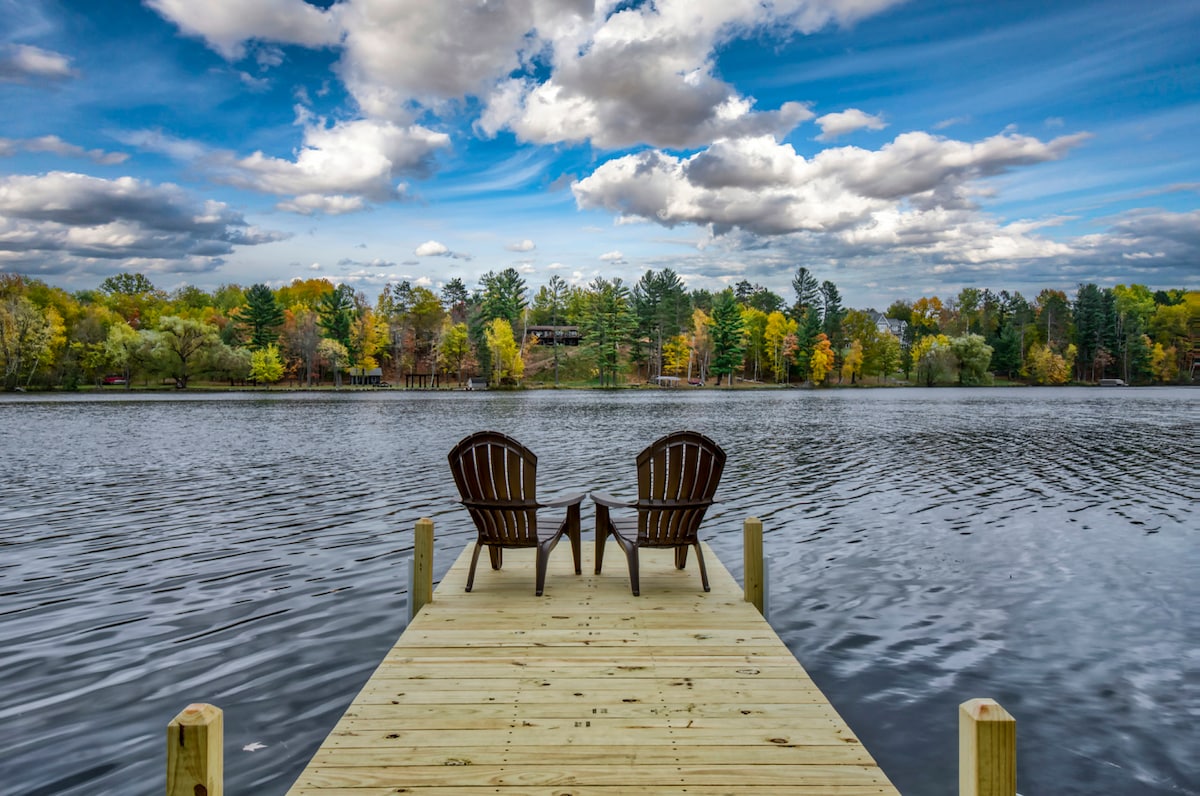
pixel 521 246
pixel 361 157
pixel 63 222
pixel 834 125
pixel 912 196
pixel 612 257
pixel 431 248
pixel 226 25
pixel 312 203
pixel 550 70
pixel 21 63
pixel 55 145
pixel 764 187
pixel 338 169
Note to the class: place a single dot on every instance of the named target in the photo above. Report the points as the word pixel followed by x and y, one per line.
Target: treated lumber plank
pixel 589 690
pixel 401 756
pixel 646 776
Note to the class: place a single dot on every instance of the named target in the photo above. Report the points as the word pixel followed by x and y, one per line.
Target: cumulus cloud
pixel 613 257
pixel 22 63
pixel 521 246
pixel 55 145
pixel 339 168
pixel 64 221
pixel 226 25
pixel 834 125
pixel 549 70
pixel 431 248
pixel 646 75
pixel 362 158
pixel 764 187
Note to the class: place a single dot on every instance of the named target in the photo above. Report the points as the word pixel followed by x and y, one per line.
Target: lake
pixel 1037 546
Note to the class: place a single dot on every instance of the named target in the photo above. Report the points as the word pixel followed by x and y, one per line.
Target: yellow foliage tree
pixel 821 362
pixel 776 336
pixel 1163 363
pixel 852 363
pixel 265 364
pixel 676 353
pixel 1044 366
pixel 507 364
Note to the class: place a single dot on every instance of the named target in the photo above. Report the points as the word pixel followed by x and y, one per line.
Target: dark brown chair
pixel 496 477
pixel 677 477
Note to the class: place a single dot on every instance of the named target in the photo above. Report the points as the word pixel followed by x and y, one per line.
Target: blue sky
pixel 899 149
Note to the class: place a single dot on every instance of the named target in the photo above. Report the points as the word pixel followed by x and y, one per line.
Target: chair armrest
pixel 605 499
pixel 568 500
pixel 661 505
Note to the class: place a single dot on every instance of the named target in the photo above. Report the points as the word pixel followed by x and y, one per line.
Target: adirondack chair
pixel 677 477
pixel 496 478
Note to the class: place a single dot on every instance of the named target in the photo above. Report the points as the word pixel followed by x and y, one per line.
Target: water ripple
pixel 925 547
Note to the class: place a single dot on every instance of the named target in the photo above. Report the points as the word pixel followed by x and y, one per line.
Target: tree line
pixel 312 331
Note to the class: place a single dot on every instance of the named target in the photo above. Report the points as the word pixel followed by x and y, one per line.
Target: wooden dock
pixel 590 690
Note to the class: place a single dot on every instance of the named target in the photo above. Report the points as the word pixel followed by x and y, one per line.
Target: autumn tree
pixel 754 324
pixel 821 361
pixel 453 346
pixel 182 340
pixel 127 349
pixel 701 344
pixel 134 298
pixel 778 331
pixel 1045 366
pixel 852 362
pixel 27 338
pixel 336 355
pixel 507 365
pixel 974 356
pixel 933 359
pixel 265 364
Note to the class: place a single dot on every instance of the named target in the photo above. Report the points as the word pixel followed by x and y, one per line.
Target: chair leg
pixel 576 536
pixel 635 580
pixel 497 556
pixel 601 535
pixel 681 557
pixel 543 561
pixel 471 571
pixel 700 561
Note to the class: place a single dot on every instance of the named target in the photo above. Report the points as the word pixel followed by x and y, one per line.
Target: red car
pixel 114 379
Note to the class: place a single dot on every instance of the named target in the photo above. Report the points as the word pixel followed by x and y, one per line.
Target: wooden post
pixel 987 749
pixel 422 585
pixel 752 568
pixel 195 755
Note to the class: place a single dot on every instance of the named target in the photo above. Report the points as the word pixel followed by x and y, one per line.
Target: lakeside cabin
pixel 366 377
pixel 554 335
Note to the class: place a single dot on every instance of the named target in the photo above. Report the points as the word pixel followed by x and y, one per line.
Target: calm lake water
pixel 1038 546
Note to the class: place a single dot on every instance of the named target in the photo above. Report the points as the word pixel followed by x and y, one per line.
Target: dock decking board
pixel 590 691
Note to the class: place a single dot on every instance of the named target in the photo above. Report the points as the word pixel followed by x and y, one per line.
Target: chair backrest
pixel 496 477
pixel 677 478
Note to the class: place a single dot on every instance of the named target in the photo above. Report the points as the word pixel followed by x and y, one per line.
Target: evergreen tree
pixel 335 313
pixel 832 314
pixel 726 331
pixel 261 316
pixel 662 307
pixel 607 323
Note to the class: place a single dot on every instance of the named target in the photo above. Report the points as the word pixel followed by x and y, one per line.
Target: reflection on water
pixel 926 547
